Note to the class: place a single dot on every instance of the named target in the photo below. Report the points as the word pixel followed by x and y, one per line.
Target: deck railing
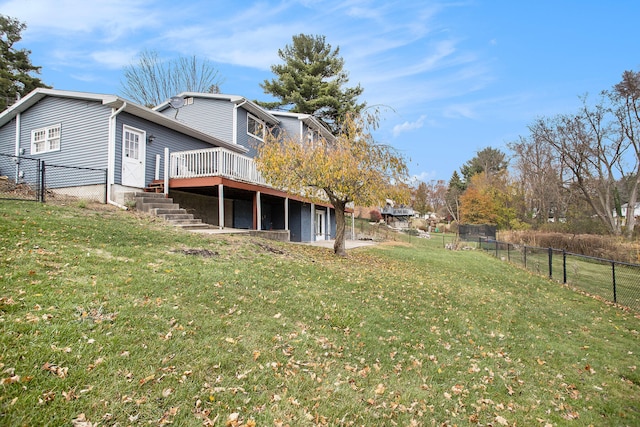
pixel 397 211
pixel 214 162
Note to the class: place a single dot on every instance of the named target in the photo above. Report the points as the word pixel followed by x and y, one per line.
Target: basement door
pixel 133 152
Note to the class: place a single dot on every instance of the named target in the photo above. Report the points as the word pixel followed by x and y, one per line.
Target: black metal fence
pixel 25 178
pixel 20 178
pixel 614 281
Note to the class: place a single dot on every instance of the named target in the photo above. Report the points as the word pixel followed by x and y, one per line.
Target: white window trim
pixel 47 140
pixel 264 128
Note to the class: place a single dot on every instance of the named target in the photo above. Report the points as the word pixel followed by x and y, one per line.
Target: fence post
pixel 41 177
pixel 564 266
pixel 613 272
pixel 496 242
pixel 106 185
pixel 525 256
pixel 508 252
pixel 550 263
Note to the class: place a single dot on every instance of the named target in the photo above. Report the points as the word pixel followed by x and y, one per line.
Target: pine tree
pixel 311 81
pixel 15 66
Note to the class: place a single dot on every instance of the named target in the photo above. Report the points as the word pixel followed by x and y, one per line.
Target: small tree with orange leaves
pixel 351 167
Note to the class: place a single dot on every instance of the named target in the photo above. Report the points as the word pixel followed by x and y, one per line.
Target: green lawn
pixel 110 318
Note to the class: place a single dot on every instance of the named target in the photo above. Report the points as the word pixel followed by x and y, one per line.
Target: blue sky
pixel 457 76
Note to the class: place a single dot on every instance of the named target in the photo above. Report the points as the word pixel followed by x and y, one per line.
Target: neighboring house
pixel 202 151
pixel 623 211
pixel 397 216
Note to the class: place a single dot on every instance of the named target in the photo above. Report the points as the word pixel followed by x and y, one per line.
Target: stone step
pixel 176 216
pixel 150 195
pixel 163 211
pixel 186 221
pixel 153 200
pixel 147 207
pixel 194 226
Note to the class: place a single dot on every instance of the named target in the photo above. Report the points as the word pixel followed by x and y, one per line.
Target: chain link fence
pixel 24 178
pixel 20 178
pixel 611 280
pixel 70 182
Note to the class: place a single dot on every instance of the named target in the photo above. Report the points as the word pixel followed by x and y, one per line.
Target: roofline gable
pixel 308 120
pixel 238 100
pixel 115 102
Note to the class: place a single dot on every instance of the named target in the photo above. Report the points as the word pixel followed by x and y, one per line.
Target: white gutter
pixel 235 120
pixel 111 155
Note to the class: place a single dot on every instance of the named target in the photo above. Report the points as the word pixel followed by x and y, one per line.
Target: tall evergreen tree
pixel 16 69
pixel 488 160
pixel 311 80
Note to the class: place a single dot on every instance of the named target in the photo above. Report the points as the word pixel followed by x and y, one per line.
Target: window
pixel 312 136
pixel 255 127
pixel 131 144
pixel 45 139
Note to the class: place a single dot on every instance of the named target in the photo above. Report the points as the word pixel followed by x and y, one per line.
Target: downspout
pixel 17 150
pixel 111 156
pixel 18 134
pixel 235 120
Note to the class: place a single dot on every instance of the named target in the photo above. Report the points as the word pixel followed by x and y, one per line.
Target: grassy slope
pixel 104 314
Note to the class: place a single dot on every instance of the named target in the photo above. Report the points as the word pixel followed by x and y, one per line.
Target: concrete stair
pixel 156 204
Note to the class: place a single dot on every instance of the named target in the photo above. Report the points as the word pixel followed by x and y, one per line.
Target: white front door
pixel 320 225
pixel 133 151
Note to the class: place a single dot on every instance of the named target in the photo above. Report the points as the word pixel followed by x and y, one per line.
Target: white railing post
pixel 167 161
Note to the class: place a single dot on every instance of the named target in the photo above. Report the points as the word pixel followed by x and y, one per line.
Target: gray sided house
pixel 201 154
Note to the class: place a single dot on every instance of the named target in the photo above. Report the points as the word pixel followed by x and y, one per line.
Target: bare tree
pixel 540 179
pixel 588 148
pixel 152 80
pixel 626 96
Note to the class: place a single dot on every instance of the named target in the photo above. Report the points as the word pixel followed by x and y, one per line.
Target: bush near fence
pixel 607 247
pixel 614 281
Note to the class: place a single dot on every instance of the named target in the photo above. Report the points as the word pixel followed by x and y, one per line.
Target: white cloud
pixel 408 126
pixel 114 59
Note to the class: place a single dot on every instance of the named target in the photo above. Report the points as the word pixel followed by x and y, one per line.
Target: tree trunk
pixel 631 209
pixel 339 246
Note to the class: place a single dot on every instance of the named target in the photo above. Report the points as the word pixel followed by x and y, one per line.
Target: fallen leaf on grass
pixel 60 372
pixel 81 421
pixel 502 420
pixel 10 380
pixel 380 389
pixel 93 365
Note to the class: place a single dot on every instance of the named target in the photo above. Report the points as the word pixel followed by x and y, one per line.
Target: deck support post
pixel 258 211
pixel 220 206
pixel 313 220
pixel 286 213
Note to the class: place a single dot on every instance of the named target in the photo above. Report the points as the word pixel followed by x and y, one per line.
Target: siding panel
pixel 83 136
pixel 211 116
pixel 164 137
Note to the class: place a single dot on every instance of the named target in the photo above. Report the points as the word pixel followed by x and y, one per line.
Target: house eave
pixel 310 121
pixel 160 119
pixel 116 102
pixel 250 106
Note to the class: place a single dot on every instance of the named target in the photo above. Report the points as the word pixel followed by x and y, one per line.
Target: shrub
pixel 375 215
